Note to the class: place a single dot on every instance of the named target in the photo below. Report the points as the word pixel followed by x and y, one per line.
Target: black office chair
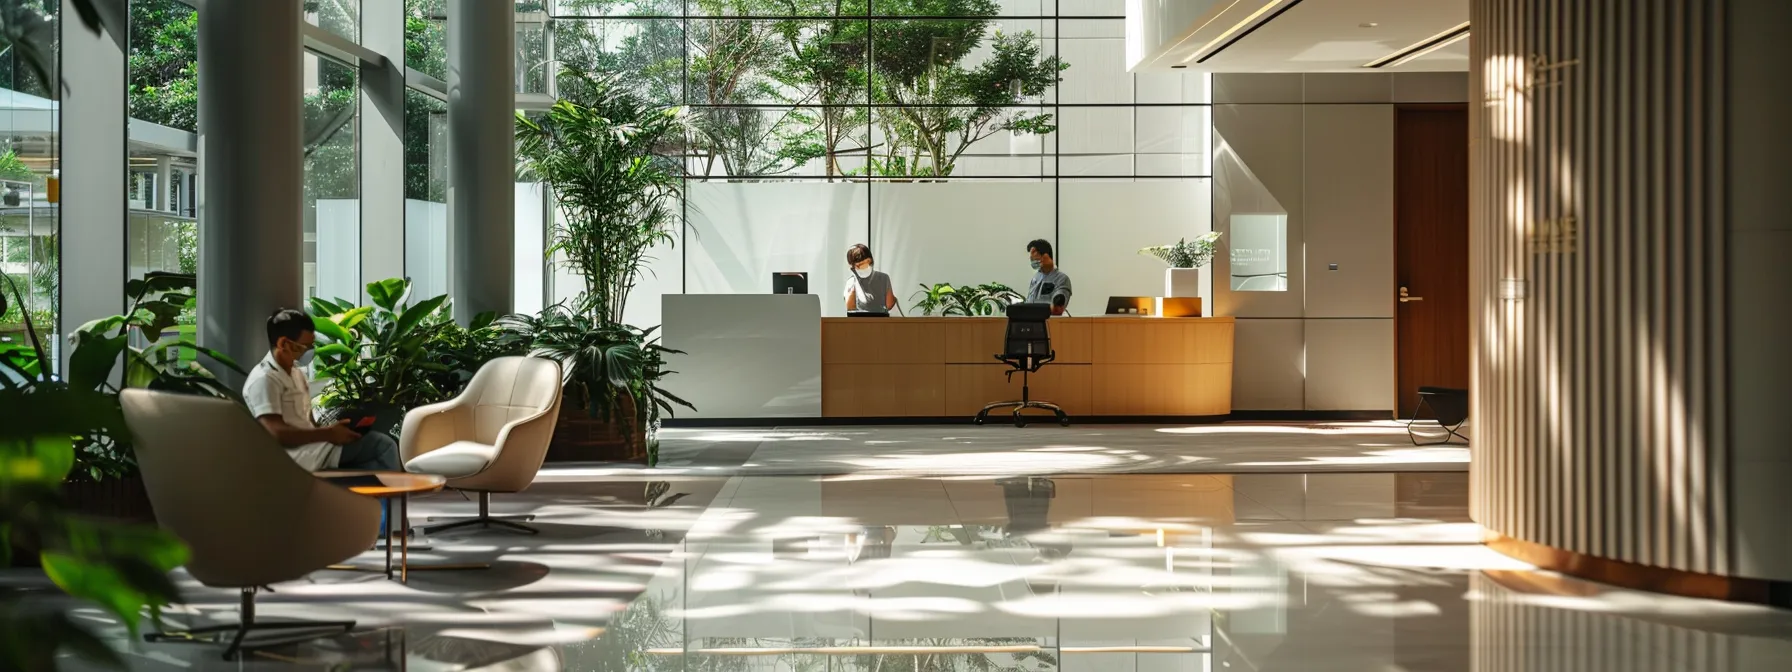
pixel 1449 405
pixel 1026 347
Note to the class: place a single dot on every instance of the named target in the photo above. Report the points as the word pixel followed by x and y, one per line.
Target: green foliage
pixel 168 362
pixel 1185 253
pixel 12 168
pixel 990 298
pixel 121 568
pixel 163 63
pixel 609 157
pixel 601 361
pixel 398 355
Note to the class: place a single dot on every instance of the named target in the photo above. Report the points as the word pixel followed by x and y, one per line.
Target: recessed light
pixel 1178 67
pixel 1368 25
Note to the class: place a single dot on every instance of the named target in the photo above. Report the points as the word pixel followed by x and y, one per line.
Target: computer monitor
pixel 790 283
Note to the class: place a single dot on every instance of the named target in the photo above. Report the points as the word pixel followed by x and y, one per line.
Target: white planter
pixel 1187 283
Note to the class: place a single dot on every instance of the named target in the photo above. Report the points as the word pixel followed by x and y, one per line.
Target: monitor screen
pixel 790 283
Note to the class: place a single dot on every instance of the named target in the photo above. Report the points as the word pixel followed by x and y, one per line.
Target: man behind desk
pixel 279 396
pixel 1049 284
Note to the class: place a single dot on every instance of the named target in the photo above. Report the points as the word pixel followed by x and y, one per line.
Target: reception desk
pixel 1105 367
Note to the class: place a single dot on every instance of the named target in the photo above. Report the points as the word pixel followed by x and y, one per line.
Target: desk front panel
pixel 946 367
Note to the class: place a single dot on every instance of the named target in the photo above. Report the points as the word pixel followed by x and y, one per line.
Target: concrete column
pixel 251 202
pixel 481 155
pixel 382 142
pixel 94 187
pixel 164 184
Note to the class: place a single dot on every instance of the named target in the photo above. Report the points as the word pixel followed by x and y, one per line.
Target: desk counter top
pixel 1118 366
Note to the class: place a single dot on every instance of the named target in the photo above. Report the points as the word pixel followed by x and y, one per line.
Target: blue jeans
pixel 374 451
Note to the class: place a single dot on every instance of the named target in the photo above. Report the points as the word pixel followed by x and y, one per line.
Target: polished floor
pixel 1048 449
pixel 873 570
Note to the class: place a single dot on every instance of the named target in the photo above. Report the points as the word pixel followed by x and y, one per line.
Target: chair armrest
pixel 427 428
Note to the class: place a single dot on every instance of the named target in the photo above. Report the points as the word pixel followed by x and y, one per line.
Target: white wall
pixel 964 233
pixel 741 233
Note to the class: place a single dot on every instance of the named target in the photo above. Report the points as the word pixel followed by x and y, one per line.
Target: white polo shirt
pixel 270 391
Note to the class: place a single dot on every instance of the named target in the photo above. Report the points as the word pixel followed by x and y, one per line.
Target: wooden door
pixel 1431 249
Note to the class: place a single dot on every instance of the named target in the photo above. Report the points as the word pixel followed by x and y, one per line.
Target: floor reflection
pixel 1191 572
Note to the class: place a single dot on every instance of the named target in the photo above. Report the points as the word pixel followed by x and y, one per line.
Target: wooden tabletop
pixel 392 483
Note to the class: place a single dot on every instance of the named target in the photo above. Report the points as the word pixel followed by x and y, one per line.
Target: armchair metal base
pixel 238 632
pixel 485 519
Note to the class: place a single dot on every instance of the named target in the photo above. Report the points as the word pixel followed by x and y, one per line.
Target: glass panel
pixel 425 37
pixel 532 55
pixel 650 52
pixel 426 193
pixel 1259 252
pixel 342 17
pixel 777 141
pixel 795 62
pixel 332 258
pixel 607 8
pixel 29 220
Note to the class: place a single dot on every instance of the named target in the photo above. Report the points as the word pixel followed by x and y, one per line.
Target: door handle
pixel 1404 298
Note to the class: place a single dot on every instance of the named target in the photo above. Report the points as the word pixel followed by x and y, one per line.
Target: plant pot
pixel 120 500
pixel 578 437
pixel 1186 283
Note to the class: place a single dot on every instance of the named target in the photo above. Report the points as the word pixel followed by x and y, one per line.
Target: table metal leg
pixel 404 553
pixel 386 511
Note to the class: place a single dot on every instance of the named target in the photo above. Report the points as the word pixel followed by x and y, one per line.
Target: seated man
pixel 279 396
pixel 1049 283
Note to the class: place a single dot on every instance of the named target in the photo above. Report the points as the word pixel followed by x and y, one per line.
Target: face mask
pixel 862 272
pixel 1035 264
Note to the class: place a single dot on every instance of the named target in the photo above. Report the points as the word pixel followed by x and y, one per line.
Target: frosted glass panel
pixel 337 272
pixel 961 232
pixel 1104 224
pixel 426 246
pixel 529 263
pixel 742 233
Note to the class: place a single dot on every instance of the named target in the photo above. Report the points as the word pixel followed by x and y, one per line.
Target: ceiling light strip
pixel 1422 47
pixel 1249 25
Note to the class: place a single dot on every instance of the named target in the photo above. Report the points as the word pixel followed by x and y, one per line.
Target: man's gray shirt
pixel 1045 286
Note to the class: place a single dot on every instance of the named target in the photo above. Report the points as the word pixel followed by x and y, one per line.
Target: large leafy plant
pixel 601 363
pixel 609 157
pixel 1186 253
pixel 986 299
pixel 378 355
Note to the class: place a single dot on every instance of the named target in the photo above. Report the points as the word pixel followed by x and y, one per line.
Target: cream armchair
pixel 491 438
pixel 250 515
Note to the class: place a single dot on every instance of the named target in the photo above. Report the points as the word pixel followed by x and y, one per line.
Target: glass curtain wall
pixel 945 134
pixel 29 221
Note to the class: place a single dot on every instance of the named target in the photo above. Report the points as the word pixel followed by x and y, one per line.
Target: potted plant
pixel 103 480
pixel 612 375
pixel 611 160
pixel 374 358
pixel 987 299
pixel 1188 260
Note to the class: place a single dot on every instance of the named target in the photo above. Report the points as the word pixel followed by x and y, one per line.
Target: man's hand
pixel 340 434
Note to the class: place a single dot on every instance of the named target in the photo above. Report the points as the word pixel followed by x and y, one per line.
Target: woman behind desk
pixel 867 290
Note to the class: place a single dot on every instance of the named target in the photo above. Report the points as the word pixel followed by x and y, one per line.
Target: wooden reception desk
pixel 1106 367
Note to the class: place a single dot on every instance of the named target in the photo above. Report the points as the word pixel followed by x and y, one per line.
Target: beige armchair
pixel 250 515
pixel 491 438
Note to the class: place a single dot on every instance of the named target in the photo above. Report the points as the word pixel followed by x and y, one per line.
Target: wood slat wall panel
pixel 1598 237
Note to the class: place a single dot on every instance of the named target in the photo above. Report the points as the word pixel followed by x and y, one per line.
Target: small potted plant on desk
pixel 1188 260
pixel 987 299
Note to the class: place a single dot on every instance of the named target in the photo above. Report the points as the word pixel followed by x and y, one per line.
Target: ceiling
pixel 1311 36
